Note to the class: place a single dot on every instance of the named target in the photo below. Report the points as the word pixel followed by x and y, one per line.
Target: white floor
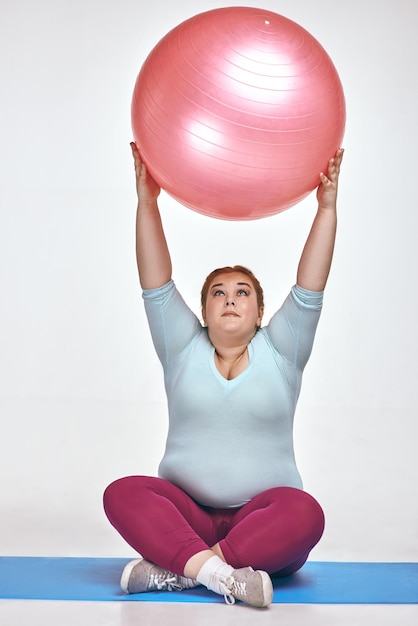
pixel 20 613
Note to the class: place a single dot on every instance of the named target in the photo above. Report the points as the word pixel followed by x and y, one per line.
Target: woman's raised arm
pixel 152 253
pixel 315 262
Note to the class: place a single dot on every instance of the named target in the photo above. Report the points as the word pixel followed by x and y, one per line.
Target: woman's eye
pixel 218 292
pixel 242 292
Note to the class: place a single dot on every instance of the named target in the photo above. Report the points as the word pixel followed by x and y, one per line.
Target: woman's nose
pixel 229 302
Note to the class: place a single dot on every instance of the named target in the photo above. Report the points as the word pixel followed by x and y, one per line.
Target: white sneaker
pixel 252 587
pixel 140 575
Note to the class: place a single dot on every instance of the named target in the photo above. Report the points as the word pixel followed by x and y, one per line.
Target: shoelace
pixel 239 588
pixel 165 583
pixel 225 584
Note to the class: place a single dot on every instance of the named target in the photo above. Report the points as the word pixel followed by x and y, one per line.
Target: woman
pixel 228 509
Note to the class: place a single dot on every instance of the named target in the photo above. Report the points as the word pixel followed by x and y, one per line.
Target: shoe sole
pixel 267 588
pixel 126 574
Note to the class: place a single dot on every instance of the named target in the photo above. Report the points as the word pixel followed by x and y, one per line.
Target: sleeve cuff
pixel 308 298
pixel 150 294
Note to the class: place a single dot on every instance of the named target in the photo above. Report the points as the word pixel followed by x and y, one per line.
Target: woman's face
pixel 231 306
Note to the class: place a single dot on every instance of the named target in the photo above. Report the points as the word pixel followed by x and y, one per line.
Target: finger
pixel 331 169
pixel 137 158
pixel 135 150
pixel 334 165
pixel 324 179
pixel 338 158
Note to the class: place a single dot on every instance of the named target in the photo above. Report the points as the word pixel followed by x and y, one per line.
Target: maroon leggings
pixel 274 532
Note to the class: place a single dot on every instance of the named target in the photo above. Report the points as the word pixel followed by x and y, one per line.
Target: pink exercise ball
pixel 236 111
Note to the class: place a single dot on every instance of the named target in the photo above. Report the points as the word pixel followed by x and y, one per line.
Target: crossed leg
pixel 273 532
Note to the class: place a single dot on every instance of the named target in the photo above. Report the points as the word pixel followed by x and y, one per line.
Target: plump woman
pixel 228 509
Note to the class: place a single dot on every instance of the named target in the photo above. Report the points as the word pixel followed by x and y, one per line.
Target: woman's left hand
pixel 327 190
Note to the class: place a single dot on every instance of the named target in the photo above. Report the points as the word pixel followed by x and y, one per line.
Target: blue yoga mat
pixel 97 579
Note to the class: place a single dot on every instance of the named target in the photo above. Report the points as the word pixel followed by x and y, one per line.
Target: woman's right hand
pixel 146 187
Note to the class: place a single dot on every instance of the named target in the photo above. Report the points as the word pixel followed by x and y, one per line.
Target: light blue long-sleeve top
pixel 229 440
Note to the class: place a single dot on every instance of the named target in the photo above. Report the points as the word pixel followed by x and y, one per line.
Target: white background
pixel 81 394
